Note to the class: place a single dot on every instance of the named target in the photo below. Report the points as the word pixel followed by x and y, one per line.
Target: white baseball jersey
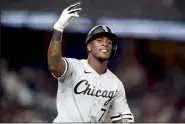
pixel 85 96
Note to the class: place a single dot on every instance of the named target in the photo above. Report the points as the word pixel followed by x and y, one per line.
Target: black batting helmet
pixel 102 30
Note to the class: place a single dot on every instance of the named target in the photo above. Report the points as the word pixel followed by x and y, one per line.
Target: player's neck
pixel 99 67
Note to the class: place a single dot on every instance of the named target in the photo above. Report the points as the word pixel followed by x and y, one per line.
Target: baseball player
pixel 87 90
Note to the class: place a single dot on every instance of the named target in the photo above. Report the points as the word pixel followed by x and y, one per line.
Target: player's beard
pixel 102 59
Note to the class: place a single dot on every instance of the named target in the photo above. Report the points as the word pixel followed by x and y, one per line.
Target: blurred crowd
pixel 28 94
pixel 155 86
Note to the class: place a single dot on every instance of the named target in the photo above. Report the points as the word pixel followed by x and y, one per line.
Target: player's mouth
pixel 104 50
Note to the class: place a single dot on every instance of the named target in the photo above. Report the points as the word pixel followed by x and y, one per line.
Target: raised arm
pixel 56 64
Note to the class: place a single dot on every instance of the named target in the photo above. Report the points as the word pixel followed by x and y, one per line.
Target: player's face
pixel 101 48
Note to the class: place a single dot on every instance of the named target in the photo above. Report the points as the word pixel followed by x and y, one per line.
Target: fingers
pixel 75 10
pixel 130 121
pixel 73 6
pixel 74 15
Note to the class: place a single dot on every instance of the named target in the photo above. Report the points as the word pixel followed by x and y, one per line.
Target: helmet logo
pixel 105 28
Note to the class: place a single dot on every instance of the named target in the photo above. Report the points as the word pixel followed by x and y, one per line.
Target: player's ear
pixel 89 47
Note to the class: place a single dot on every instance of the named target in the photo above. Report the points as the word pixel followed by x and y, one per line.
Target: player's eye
pixel 99 40
pixel 110 42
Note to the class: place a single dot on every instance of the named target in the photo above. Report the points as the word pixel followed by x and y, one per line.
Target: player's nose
pixel 105 42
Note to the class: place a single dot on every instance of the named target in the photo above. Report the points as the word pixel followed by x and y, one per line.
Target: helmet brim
pixel 111 36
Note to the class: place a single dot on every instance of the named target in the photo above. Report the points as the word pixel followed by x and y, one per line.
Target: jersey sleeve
pixel 70 67
pixel 119 109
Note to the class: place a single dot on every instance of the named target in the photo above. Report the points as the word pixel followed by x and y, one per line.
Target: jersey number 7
pixel 104 110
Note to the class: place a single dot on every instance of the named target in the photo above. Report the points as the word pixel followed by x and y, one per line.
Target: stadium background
pixel 150 59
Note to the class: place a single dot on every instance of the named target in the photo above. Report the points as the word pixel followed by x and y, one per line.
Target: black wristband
pixel 57 35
